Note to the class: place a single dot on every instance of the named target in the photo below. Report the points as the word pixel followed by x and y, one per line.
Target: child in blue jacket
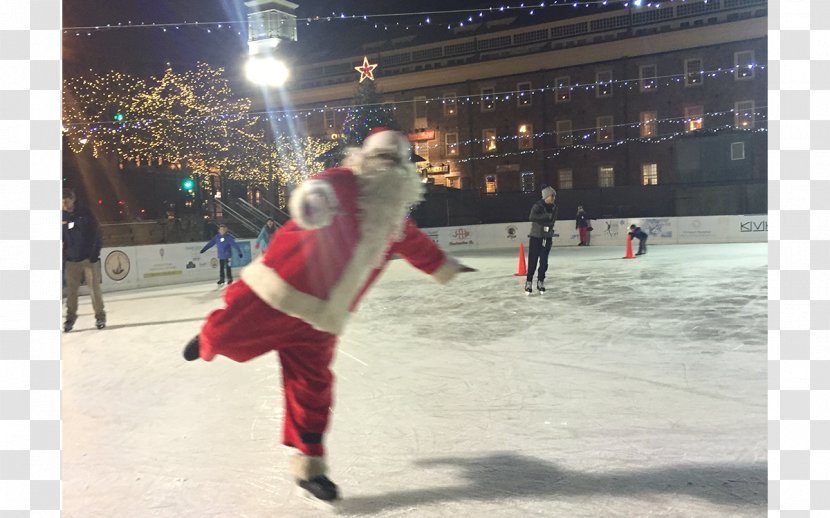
pixel 223 242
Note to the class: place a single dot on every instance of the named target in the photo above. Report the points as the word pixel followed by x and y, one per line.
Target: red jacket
pixel 320 274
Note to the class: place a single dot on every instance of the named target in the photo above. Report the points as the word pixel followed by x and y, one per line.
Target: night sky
pixel 148 51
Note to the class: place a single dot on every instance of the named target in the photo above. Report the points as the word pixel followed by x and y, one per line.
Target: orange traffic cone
pixel 522 262
pixel 629 253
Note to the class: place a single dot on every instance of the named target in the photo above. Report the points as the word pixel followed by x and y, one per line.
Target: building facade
pixel 648 111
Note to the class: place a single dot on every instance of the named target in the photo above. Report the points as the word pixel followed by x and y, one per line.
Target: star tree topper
pixel 366 70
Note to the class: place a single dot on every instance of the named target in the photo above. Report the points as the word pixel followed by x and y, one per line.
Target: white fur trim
pixel 306 467
pixel 325 315
pixel 446 271
pixel 313 204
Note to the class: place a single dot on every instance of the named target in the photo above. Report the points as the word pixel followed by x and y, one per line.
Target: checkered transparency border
pixel 799 258
pixel 30 279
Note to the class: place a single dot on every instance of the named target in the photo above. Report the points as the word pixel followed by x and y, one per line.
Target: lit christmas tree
pixel 367 112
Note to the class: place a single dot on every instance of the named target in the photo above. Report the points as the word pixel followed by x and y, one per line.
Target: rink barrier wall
pixel 131 267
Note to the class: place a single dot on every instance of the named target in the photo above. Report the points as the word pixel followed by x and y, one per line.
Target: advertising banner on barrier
pixel 461 238
pixel 608 232
pixel 118 268
pixel 703 229
pixel 746 229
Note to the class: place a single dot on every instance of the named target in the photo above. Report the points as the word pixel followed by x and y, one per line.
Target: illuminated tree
pixel 367 112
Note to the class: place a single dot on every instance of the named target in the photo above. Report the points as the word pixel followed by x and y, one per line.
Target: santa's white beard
pixel 388 190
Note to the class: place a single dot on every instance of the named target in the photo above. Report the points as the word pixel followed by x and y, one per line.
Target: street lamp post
pixel 270 22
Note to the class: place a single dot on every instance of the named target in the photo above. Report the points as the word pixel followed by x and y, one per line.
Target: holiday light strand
pixel 471 99
pixel 343 16
pixel 600 147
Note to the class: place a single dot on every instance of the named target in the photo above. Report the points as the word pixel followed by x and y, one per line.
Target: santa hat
pixel 384 140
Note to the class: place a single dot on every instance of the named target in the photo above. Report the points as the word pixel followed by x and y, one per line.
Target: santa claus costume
pixel 346 225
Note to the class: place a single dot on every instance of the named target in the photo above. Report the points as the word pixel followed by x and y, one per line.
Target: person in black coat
pixel 583 225
pixel 542 218
pixel 81 253
pixel 635 231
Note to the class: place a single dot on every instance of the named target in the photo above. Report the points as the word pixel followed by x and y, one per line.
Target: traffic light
pixel 187 184
pixel 118 117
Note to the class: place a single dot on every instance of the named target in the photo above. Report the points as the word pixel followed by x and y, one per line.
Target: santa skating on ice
pixel 346 224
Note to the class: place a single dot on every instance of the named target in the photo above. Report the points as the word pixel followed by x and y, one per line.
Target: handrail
pixel 239 217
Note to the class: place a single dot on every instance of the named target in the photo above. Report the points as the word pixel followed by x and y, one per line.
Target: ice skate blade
pixel 332 506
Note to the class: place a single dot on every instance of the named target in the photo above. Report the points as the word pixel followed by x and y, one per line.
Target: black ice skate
pixel 100 323
pixel 68 325
pixel 191 350
pixel 220 282
pixel 528 287
pixel 320 487
pixel 540 285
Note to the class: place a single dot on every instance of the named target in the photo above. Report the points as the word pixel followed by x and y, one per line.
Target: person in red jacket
pixel 346 224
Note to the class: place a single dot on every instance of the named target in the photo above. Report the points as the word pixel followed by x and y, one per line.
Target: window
pixel 604 87
pixel 694 72
pixel 744 65
pixel 488 138
pixel 450 105
pixel 451 144
pixel 420 112
pixel 528 181
pixel 745 114
pixel 490 184
pixel 563 89
pixel 606 176
pixel 648 78
pixel 566 179
pixel 605 129
pixel 649 174
pixel 488 99
pixel 525 136
pixel 564 133
pixel 648 124
pixel 694 118
pixel 738 151
pixel 329 119
pixel 525 95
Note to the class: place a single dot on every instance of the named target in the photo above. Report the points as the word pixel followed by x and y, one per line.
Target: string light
pixel 426 16
pixel 471 100
pixel 187 119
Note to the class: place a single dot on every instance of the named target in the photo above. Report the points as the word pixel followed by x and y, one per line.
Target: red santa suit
pixel 346 225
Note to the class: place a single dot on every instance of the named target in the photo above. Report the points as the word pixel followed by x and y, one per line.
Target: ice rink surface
pixel 631 388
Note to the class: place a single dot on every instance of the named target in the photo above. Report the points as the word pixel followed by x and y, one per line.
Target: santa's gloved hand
pixel 314 204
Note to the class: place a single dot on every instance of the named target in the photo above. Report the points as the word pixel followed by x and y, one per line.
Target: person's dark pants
pixel 225 266
pixel 642 248
pixel 538 253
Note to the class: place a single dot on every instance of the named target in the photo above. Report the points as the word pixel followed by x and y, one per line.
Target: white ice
pixel 631 388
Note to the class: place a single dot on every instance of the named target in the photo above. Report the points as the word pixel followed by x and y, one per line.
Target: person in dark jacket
pixel 542 218
pixel 635 231
pixel 583 225
pixel 224 242
pixel 81 252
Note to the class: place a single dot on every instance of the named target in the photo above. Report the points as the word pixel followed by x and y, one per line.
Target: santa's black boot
pixel 191 350
pixel 310 474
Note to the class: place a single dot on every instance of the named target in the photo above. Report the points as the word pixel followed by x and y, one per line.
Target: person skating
pixel 266 234
pixel 583 225
pixel 635 231
pixel 542 218
pixel 225 243
pixel 81 253
pixel 346 224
